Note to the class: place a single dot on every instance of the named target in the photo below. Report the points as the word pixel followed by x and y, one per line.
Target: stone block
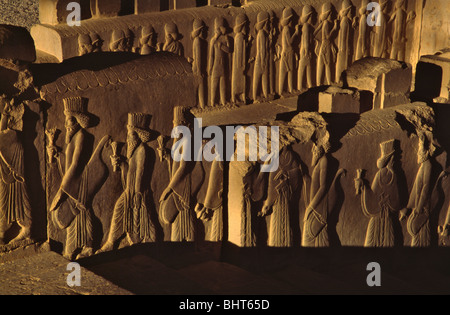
pixel 105 8
pixel 55 12
pixel 146 6
pixel 219 2
pixel 16 44
pixel 184 4
pixel 337 100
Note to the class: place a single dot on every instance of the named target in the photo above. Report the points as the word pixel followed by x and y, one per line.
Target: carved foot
pixel 86 252
pixel 23 235
pixel 109 246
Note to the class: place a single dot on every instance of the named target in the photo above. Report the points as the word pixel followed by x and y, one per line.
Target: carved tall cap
pixel 16 43
pixel 77 107
pixel 387 148
pixel 140 123
pixel 139 120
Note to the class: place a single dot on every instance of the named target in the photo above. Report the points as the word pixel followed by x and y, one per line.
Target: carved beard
pixel 132 144
pixel 71 131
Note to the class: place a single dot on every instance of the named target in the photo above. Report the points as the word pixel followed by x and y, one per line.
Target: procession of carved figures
pixel 296 45
pixel 135 217
pixel 273 56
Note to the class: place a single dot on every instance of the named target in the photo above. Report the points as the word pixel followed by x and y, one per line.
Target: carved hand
pixel 266 210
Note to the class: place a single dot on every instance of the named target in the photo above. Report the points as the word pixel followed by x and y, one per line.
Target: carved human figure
pixel 400 19
pixel 418 224
pixel 178 201
pixel 272 52
pixel 172 40
pixel 315 222
pixel 220 49
pixel 121 41
pixel 379 201
pixel 240 60
pixel 131 216
pixel 287 58
pixel 70 207
pixel 147 41
pixel 14 202
pixel 211 209
pixel 379 37
pixel 89 44
pixel 345 28
pixel 198 60
pixel 262 67
pixel 282 187
pixel 306 48
pixel 325 50
pixel 362 45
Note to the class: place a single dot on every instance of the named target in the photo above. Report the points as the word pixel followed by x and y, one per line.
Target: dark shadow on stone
pixel 309 100
pixel 428 82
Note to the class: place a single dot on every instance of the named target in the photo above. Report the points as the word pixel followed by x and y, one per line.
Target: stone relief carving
pixel 381 199
pixel 211 209
pixel 325 49
pixel 379 36
pixel 178 201
pixel 88 44
pixel 131 216
pixel 287 56
pixel 218 68
pixel 70 207
pixel 345 31
pixel 14 201
pixel 262 67
pixel 121 41
pixel 283 186
pixel 240 60
pixel 306 49
pixel 199 47
pixel 172 40
pixel 362 46
pixel 147 44
pixel 400 18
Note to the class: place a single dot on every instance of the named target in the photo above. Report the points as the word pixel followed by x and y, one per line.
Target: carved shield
pixel 64 215
pixel 416 222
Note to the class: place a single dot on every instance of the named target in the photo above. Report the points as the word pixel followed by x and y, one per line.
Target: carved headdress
pixel 306 14
pixel 240 22
pixel 288 14
pixel 387 152
pixel 198 27
pixel 262 19
pixel 77 107
pixel 140 123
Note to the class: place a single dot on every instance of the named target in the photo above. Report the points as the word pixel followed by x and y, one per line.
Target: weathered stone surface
pixel 146 6
pixel 16 44
pixel 105 8
pixel 388 80
pixel 54 12
pixel 336 100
